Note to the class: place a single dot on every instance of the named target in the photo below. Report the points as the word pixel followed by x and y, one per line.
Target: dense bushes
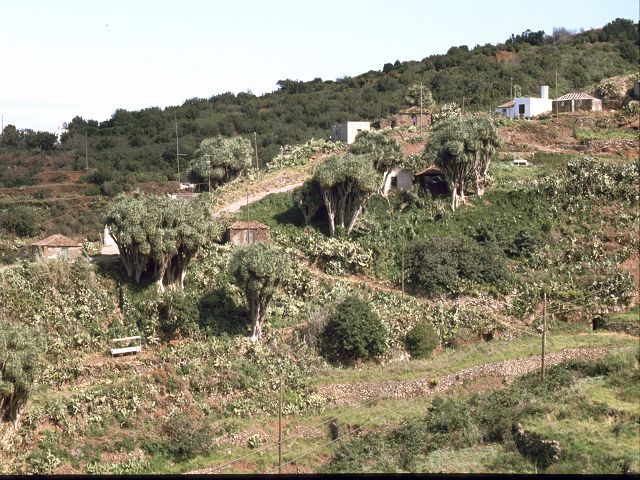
pixel 186 437
pixel 178 313
pixel 454 424
pixel 353 332
pixel 421 340
pixel 442 264
pixel 21 220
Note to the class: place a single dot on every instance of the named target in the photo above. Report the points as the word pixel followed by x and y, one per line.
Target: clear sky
pixel 59 59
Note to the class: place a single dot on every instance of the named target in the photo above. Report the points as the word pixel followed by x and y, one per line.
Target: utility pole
pixel 511 87
pixel 544 333
pixel 280 429
pixel 255 142
pixel 557 113
pixel 420 107
pixel 462 105
pixel 402 294
pixel 178 154
pixel 209 171
pixel 86 151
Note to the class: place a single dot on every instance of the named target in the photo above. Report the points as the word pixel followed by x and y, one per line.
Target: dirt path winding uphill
pixel 506 371
pixel 235 206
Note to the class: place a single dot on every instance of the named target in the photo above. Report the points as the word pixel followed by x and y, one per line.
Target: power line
pixel 348 412
pixel 381 397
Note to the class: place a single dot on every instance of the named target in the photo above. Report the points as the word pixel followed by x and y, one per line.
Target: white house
pixel 527 107
pixel 346 132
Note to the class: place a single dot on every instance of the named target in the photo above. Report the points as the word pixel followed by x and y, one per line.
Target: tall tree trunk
pixel 352 222
pixel 454 197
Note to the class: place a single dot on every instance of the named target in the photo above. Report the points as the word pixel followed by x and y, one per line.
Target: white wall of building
pixel 527 107
pixel 346 132
pixel 398 179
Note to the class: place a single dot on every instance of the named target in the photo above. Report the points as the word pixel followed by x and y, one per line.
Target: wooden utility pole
pixel 280 430
pixel 420 107
pixel 402 294
pixel 247 205
pixel 255 142
pixel 86 151
pixel 544 333
pixel 557 113
pixel 178 154
pixel 462 105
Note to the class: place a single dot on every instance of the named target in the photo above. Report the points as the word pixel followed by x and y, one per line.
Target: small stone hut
pixel 247 233
pixel 57 247
pixel 432 180
pixel 579 101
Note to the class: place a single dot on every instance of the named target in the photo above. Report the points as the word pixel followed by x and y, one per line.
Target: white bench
pixel 130 349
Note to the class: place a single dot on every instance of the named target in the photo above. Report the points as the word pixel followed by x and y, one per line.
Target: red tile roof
pixel 576 96
pixel 57 241
pixel 248 226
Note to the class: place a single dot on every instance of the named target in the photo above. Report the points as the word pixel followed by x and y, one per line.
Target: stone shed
pixel 57 247
pixel 247 232
pixel 580 101
pixel 432 180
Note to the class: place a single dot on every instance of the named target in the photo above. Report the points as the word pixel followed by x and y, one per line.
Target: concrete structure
pixel 247 233
pixel 527 107
pixel 408 117
pixel 579 101
pixel 399 179
pixel 346 132
pixel 109 246
pixel 57 247
pixel 432 180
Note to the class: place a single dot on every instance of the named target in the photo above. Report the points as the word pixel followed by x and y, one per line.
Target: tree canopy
pixel 259 269
pixel 346 182
pixel 160 236
pixel 18 367
pixel 219 160
pixel 450 147
pixel 462 147
pixel 382 148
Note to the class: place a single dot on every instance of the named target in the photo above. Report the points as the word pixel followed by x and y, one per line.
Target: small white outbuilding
pixel 527 107
pixel 346 132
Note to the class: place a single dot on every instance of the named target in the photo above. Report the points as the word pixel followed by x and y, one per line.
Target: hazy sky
pixel 59 59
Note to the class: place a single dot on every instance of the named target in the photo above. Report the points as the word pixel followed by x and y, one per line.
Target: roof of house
pixel 57 241
pixel 432 170
pixel 248 226
pixel 509 104
pixel 576 96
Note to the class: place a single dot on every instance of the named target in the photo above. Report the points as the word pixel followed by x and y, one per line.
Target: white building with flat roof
pixel 346 132
pixel 527 107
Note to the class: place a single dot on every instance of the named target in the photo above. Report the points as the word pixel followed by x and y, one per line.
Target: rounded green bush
pixel 421 340
pixel 353 332
pixel 178 313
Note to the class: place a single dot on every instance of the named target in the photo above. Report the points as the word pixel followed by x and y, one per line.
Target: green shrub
pixel 441 263
pixel 421 340
pixel 21 220
pixel 353 332
pixel 178 314
pixel 186 437
pixel 19 351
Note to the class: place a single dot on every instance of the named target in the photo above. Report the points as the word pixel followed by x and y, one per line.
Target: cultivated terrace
pixel 373 325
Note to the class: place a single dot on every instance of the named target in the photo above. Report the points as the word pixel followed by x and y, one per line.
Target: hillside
pixel 138 146
pixel 446 306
